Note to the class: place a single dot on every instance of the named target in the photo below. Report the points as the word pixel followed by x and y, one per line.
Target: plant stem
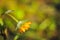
pixel 16 37
pixel 12 17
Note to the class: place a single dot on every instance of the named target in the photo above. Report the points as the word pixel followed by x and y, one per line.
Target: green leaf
pixel 52 26
pixel 1 11
pixel 9 23
pixel 34 26
pixel 1 21
pixel 45 24
pixel 18 14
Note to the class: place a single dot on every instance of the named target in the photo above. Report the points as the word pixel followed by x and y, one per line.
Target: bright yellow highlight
pixel 24 27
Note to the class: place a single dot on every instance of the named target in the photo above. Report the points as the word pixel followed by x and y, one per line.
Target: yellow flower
pixel 24 27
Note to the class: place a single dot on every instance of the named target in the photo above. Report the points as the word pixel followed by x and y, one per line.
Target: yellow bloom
pixel 24 27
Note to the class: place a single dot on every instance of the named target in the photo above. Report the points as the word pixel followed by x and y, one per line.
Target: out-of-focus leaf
pixel 56 1
pixel 18 14
pixel 52 29
pixel 9 23
pixel 1 21
pixel 45 24
pixel 52 26
pixel 16 37
pixel 32 34
pixel 34 26
pixel 1 38
pixel 1 11
pixel 33 8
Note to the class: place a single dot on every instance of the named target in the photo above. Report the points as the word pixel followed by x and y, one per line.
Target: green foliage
pixel 56 1
pixel 34 26
pixel 1 38
pixel 10 24
pixel 1 21
pixel 45 24
pixel 1 11
pixel 18 14
pixel 42 16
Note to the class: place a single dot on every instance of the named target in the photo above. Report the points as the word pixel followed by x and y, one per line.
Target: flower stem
pixel 16 37
pixel 12 17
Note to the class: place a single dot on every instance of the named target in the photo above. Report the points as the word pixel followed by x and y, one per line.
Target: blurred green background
pixel 44 15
